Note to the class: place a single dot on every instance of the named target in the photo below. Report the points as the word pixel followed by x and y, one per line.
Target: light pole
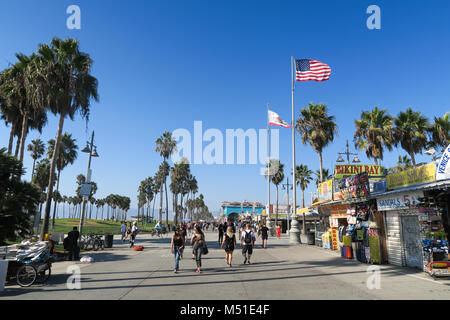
pixel 286 186
pixel 92 150
pixel 348 153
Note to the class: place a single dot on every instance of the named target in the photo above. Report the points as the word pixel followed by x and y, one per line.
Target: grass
pixel 94 226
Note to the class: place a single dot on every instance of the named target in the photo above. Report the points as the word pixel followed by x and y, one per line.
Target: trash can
pixel 3 272
pixel 109 240
pixel 311 238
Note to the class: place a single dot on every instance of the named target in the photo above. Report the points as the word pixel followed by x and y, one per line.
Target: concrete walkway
pixel 282 272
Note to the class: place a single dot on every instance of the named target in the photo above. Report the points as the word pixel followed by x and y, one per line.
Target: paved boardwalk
pixel 282 271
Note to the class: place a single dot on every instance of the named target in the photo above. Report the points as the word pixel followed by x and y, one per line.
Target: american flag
pixel 309 69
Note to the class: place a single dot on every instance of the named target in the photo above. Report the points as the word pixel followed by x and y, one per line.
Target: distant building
pixel 245 209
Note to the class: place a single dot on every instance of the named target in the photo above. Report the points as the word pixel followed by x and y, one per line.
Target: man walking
pixel 220 234
pixel 123 230
pixel 247 242
pixel 264 234
pixel 73 244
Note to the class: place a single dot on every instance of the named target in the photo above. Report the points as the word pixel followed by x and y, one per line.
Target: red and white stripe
pixel 318 72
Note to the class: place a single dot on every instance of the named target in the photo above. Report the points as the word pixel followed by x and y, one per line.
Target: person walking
pixel 278 231
pixel 134 231
pixel 198 241
pixel 221 231
pixel 264 235
pixel 176 247
pixel 128 231
pixel 229 242
pixel 74 250
pixel 123 230
pixel 247 242
pixel 183 233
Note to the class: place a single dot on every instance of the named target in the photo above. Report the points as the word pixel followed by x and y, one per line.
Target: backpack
pixel 248 237
pixel 66 243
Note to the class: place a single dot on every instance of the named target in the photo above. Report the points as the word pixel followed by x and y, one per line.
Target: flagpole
pixel 268 170
pixel 294 232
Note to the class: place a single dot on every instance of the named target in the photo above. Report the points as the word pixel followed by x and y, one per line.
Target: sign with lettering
pixel 346 170
pixel 443 168
pixel 422 174
pixel 399 201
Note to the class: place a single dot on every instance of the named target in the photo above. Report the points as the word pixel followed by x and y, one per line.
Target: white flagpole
pixel 268 168
pixel 294 233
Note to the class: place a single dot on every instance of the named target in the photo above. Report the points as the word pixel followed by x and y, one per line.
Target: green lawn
pixel 94 226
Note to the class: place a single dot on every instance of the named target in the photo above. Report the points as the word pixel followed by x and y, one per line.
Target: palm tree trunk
pixel 52 178
pixel 413 159
pixel 276 215
pixel 23 136
pixel 376 161
pixel 16 153
pixel 321 167
pixel 160 203
pixel 167 205
pixel 54 206
pixel 32 172
pixel 11 137
pixel 304 215
pixel 153 212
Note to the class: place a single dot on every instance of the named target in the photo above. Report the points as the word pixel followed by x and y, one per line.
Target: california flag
pixel 274 119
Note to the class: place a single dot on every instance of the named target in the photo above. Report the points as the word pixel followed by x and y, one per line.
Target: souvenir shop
pixel 417 226
pixel 358 234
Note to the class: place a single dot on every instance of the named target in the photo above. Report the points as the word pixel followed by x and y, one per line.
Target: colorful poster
pixel 423 174
pixel 346 170
pixel 325 190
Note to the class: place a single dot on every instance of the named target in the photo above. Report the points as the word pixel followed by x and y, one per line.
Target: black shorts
pixel 247 249
pixel 264 237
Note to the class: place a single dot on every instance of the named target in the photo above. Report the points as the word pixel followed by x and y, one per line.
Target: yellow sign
pixel 325 190
pixel 423 174
pixel 347 170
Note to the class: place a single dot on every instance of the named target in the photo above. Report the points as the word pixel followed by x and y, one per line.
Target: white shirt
pixel 252 235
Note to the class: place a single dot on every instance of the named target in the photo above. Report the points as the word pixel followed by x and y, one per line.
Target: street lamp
pixel 287 186
pixel 348 153
pixel 92 150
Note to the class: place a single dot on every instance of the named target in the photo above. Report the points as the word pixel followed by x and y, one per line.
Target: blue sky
pixel 161 65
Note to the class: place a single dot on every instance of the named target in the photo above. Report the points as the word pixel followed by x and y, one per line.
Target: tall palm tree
pixel 374 133
pixel 277 178
pixel 10 113
pixel 410 131
pixel 303 177
pixel 37 149
pixel 316 128
pixel 166 145
pixel 67 155
pixel 65 86
pixel 16 90
pixel 440 131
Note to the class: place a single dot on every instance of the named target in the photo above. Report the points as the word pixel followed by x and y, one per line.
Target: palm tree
pixel 303 177
pixel 277 178
pixel 65 86
pixel 440 131
pixel 410 131
pixel 325 174
pixel 404 163
pixel 17 106
pixel 166 145
pixel 66 155
pixel 316 128
pixel 373 133
pixel 37 149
